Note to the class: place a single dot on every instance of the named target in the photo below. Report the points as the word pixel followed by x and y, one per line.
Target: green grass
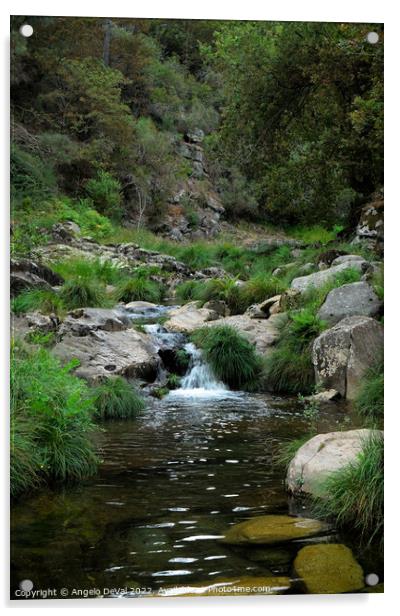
pixel 95 269
pixel 81 293
pixel 231 356
pixel 139 288
pixel 354 495
pixel 315 234
pixel 117 399
pixel 45 301
pixel 370 399
pixel 51 421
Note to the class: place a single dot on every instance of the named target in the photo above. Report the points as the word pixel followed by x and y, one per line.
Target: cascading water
pixel 199 381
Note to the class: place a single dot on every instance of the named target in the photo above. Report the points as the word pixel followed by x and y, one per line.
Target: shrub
pixel 105 191
pixel 232 358
pixel 370 399
pixel 51 421
pixel 39 299
pixel 353 495
pixel 81 293
pixel 116 399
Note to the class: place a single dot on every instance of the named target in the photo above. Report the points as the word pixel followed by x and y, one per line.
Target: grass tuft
pixel 116 399
pixel 370 399
pixel 81 293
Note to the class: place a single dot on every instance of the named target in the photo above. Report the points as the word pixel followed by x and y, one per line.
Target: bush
pixel 51 421
pixel 105 191
pixel 232 358
pixel 81 293
pixel 353 495
pixel 45 301
pixel 370 399
pixel 116 399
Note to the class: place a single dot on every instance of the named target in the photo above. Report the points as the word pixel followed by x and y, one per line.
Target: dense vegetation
pixel 99 106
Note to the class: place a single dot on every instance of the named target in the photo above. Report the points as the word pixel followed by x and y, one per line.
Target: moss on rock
pixel 271 529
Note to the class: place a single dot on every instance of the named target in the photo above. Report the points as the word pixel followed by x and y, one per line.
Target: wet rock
pixel 319 279
pixel 272 529
pixel 186 319
pixel 263 333
pixel 103 354
pixel 82 321
pixel 322 455
pixel 357 298
pixel 328 568
pixel 341 355
pixel 226 587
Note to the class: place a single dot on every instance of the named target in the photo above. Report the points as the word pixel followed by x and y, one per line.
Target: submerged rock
pixel 102 354
pixel 321 456
pixel 357 298
pixel 220 587
pixel 341 355
pixel 328 568
pixel 271 529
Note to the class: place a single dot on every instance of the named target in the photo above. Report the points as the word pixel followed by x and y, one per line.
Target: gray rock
pixel 265 309
pixel 321 456
pixel 345 259
pixel 217 306
pixel 102 354
pixel 324 396
pixel 196 135
pixel 341 355
pixel 186 319
pixel 27 274
pixel 357 298
pixel 82 321
pixel 319 279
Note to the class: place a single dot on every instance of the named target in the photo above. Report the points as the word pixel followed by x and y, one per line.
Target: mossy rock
pixel 273 585
pixel 271 529
pixel 328 568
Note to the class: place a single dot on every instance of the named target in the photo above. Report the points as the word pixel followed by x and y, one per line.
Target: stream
pixel 171 482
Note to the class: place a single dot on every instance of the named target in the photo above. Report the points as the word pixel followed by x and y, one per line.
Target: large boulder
pixel 82 321
pixel 341 355
pixel 272 529
pixel 328 568
pixel 357 298
pixel 186 319
pixel 321 278
pixel 102 354
pixel 321 456
pixel 263 333
pixel 370 228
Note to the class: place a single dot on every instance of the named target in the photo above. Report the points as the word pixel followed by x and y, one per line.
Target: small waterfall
pixel 199 381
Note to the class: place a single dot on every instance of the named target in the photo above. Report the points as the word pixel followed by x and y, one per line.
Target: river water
pixel 171 482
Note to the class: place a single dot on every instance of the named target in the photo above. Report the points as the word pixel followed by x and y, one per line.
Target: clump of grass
pixel 46 301
pixel 260 287
pixel 353 496
pixel 81 293
pixel 94 269
pixel 370 399
pixel 173 381
pixel 315 234
pixel 116 399
pixel 289 368
pixel 187 291
pixel 51 418
pixel 231 356
pixel 139 288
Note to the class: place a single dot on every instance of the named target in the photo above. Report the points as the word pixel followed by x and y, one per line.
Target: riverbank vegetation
pixel 117 399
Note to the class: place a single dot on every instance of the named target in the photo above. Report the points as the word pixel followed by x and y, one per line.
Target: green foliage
pixel 140 287
pixel 182 359
pixel 315 234
pixel 260 287
pixel 100 270
pixel 370 398
pixel 354 495
pixel 105 191
pixel 116 399
pixel 30 175
pixel 51 421
pixel 39 299
pixel 232 358
pixel 173 381
pixel 81 293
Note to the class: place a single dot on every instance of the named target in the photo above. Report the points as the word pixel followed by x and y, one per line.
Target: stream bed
pixel 171 482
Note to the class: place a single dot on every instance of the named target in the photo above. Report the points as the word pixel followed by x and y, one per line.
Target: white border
pixel 293 10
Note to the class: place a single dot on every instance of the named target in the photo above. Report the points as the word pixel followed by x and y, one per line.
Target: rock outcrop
pixel 341 355
pixel 82 321
pixel 357 298
pixel 26 275
pixel 321 456
pixel 103 354
pixel 370 229
pixel 319 279
pixel 186 319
